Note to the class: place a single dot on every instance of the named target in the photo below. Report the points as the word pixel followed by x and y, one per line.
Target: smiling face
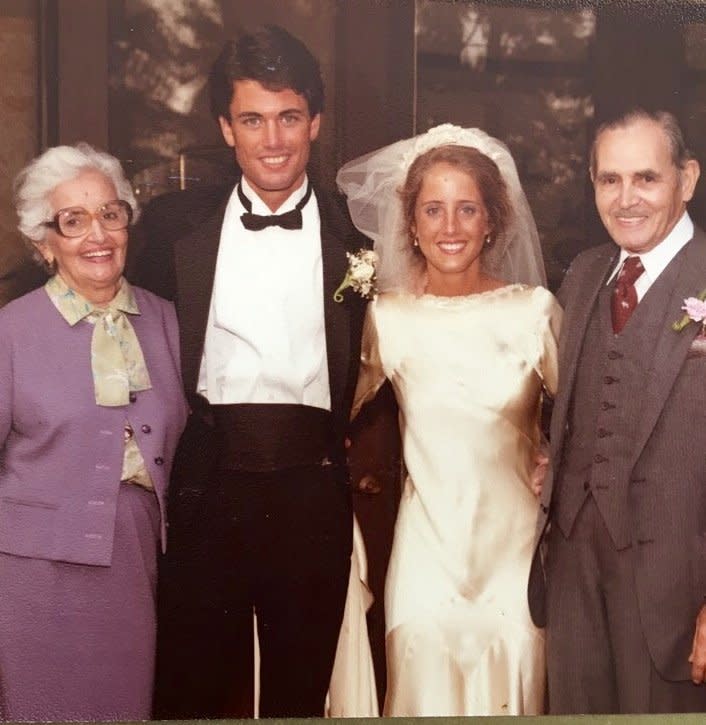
pixel 271 132
pixel 93 263
pixel 640 193
pixel 450 223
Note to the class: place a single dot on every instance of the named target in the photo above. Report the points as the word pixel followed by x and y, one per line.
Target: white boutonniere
pixel 360 276
pixel 695 308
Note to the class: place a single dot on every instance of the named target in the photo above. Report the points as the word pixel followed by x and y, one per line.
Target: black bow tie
pixel 289 220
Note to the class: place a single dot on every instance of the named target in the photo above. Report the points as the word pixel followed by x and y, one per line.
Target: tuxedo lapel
pixel 671 347
pixel 336 315
pixel 195 263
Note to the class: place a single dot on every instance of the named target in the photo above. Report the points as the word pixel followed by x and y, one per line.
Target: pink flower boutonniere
pixel 360 276
pixel 695 308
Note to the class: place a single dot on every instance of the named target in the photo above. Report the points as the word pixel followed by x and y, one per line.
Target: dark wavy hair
pixel 272 57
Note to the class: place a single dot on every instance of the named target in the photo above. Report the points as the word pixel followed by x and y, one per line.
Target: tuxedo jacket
pixel 664 494
pixel 180 234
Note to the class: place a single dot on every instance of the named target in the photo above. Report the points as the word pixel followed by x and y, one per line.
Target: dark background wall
pixel 129 75
pixel 19 129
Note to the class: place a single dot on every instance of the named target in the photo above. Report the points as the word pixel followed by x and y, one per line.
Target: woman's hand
pixel 541 463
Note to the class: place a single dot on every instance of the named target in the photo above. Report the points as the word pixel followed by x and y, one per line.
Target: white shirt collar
pixel 259 206
pixel 656 260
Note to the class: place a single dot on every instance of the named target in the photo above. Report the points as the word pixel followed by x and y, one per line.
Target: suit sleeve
pixel 171 327
pixel 152 264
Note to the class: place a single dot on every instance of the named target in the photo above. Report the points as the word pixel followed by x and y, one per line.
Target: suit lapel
pixel 582 302
pixel 336 315
pixel 195 262
pixel 671 347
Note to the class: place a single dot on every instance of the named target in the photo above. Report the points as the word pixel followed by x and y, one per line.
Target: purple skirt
pixel 77 642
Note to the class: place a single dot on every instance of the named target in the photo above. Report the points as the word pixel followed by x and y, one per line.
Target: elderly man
pixel 260 507
pixel 626 496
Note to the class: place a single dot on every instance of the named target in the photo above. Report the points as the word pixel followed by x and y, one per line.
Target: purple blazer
pixel 61 454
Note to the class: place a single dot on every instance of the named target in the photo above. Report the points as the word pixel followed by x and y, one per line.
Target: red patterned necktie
pixel 624 299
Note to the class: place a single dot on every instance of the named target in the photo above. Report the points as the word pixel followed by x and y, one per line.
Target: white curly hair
pixel 35 183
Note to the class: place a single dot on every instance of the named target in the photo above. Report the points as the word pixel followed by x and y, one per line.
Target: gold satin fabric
pixel 468 374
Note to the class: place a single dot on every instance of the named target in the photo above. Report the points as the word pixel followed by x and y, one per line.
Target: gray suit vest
pixel 612 371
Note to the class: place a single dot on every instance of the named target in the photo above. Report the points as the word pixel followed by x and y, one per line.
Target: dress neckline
pixel 498 291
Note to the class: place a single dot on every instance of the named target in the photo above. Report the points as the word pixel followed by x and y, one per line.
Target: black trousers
pixel 276 542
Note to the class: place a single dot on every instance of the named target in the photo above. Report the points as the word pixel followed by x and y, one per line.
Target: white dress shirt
pixel 265 339
pixel 656 260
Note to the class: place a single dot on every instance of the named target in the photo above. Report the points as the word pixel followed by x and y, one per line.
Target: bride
pixel 468 340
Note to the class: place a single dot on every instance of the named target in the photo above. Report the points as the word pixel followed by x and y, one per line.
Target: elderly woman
pixel 91 409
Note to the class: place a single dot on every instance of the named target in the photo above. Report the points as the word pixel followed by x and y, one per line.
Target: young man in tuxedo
pixel 260 507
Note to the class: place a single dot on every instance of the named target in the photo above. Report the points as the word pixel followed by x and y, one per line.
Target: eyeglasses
pixel 75 221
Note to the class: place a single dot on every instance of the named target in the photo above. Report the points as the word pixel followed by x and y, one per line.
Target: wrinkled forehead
pixel 90 188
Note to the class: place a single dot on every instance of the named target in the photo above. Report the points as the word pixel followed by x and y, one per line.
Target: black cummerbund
pixel 269 437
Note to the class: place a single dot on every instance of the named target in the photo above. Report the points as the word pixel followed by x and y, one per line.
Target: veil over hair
pixel 372 182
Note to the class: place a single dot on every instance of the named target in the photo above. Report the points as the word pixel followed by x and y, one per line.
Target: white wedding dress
pixel 352 690
pixel 468 374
